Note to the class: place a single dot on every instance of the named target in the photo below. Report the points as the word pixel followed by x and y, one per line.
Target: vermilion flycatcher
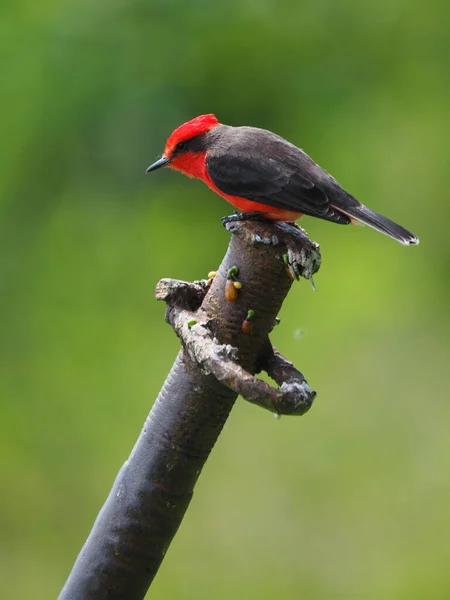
pixel 258 171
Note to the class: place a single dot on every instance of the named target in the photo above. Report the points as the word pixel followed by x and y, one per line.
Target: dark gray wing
pixel 260 166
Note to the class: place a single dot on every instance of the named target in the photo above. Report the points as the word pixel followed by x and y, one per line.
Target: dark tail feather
pixel 383 224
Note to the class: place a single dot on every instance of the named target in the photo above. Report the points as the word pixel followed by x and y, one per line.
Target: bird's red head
pixel 179 153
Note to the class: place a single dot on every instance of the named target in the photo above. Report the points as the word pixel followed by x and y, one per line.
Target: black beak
pixel 158 164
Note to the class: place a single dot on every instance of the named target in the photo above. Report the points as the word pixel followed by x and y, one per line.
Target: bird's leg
pixel 248 216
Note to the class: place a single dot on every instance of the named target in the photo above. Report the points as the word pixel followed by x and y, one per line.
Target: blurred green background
pixel 351 501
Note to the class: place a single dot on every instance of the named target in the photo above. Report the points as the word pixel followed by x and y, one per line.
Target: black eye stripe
pixel 195 144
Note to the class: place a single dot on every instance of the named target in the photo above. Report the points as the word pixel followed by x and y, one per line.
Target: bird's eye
pixel 181 146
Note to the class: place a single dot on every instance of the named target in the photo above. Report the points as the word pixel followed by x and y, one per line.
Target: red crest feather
pixel 188 130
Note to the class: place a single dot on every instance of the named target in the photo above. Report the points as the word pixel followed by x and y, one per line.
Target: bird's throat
pixel 191 164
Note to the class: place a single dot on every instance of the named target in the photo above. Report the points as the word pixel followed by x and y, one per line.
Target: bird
pixel 262 174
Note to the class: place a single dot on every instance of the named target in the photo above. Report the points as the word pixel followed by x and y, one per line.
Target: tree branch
pixel 294 397
pixel 223 325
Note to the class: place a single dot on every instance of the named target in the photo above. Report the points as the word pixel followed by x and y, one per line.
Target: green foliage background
pixel 351 501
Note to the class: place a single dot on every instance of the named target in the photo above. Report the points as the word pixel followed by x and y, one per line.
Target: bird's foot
pixel 239 217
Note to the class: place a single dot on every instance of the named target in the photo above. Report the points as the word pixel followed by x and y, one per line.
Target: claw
pixel 250 216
